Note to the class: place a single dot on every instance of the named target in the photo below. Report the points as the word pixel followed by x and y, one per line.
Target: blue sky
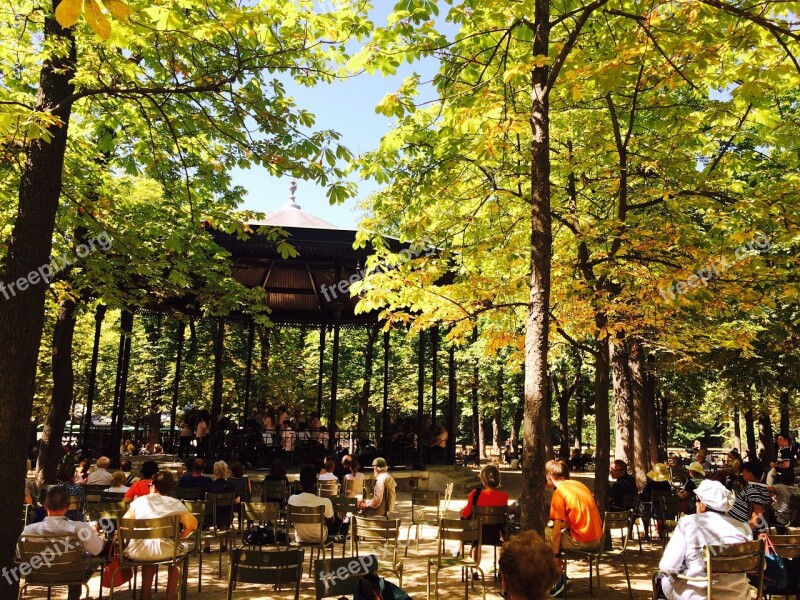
pixel 348 107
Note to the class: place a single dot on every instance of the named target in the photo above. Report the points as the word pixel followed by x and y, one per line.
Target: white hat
pixel 714 495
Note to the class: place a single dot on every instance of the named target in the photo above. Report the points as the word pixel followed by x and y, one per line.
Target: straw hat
pixel 697 468
pixel 660 472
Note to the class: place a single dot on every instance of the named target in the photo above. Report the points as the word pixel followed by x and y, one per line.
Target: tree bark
pixel 477 430
pixel 737 429
pixel 99 315
pixel 366 389
pixel 216 393
pixel 766 438
pixel 602 457
pixel 176 382
pixel 641 430
pixel 50 447
pixel 126 335
pixel 549 451
pixel 579 408
pixel 749 422
pixel 497 422
pixel 657 445
pixel 623 401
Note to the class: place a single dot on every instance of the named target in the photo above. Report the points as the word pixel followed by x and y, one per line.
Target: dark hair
pixel 125 465
pixel 354 466
pixel 329 466
pixel 527 566
pixel 308 478
pixel 149 468
pixel 198 464
pixel 163 482
pixel 490 476
pixel 237 469
pixel 276 468
pixel 755 467
pixel 621 465
pixel 58 497
pixel 65 472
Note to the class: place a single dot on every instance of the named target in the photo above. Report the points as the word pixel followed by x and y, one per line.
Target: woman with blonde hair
pixel 488 495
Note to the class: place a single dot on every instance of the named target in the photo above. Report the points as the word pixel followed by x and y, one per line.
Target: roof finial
pixel 292 190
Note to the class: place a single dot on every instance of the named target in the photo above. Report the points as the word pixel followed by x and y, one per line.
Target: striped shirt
pixel 755 493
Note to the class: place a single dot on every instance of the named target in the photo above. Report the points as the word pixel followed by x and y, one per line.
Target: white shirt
pixel 92 543
pixel 118 489
pixel 684 555
pixel 99 477
pixel 328 477
pixel 309 532
pixel 154 506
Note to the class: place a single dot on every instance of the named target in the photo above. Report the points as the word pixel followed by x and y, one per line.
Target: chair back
pixel 425 506
pixel 216 502
pixel 491 515
pixel 353 488
pixel 343 505
pixel 448 494
pixel 308 515
pixel 621 521
pixel 379 530
pixel 75 503
pixel 198 509
pixel 65 566
pixel 274 491
pixel 241 490
pixel 111 496
pixel 93 492
pixel 339 576
pixel 670 507
pixel 327 489
pixel 787 546
pixel 261 512
pixel 468 531
pixel 630 501
pixel 746 557
pixel 188 493
pixel 266 567
pixel 109 511
pixel 167 528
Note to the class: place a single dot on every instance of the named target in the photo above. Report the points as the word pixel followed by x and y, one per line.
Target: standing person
pixel 187 435
pixel 577 524
pixel 384 494
pixel 782 469
pixel 527 569
pixel 56 523
pixel 155 505
pixel 489 495
pixel 684 552
pixel 201 434
pixel 624 484
pixel 309 532
pixel 753 500
pixel 142 487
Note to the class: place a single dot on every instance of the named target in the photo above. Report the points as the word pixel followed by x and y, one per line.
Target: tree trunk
pixel 737 429
pixel 784 406
pixel 28 250
pixel 216 393
pixel 657 445
pixel 602 449
pixel 549 452
pixel 563 419
pixel 477 430
pixel 263 367
pixel 497 417
pixel 749 422
pixel 99 315
pixel 663 420
pixel 363 404
pixel 579 408
pixel 641 430
pixel 50 448
pixel 126 335
pixel 623 401
pixel 766 438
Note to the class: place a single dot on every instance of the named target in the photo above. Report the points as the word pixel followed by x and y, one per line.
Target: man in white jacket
pixel 684 552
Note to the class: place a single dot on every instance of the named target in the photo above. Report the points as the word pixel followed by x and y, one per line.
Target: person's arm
pixel 556 539
pixel 189 523
pixel 93 543
pixel 466 512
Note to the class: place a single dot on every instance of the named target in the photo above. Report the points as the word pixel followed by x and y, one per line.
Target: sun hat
pixel 715 496
pixel 379 462
pixel 660 472
pixel 697 468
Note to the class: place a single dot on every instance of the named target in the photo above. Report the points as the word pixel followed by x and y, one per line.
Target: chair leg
pixel 428 587
pixel 590 576
pixel 408 538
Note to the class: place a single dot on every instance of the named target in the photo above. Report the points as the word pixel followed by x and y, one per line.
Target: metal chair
pixel 353 488
pixel 670 513
pixel 385 533
pixel 747 557
pixel 167 528
pixel 491 516
pixel 93 492
pixel 788 548
pixel 448 494
pixel 327 489
pixel 612 521
pixel 311 515
pixel 329 583
pixel 215 503
pixel 275 491
pixel 63 568
pixel 188 493
pixel 425 510
pixel 265 513
pixel 462 532
pixel 631 502
pixel 343 507
pixel 266 568
pixel 198 509
pixel 111 496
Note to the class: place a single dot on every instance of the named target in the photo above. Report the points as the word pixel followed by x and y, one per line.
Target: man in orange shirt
pixel 577 524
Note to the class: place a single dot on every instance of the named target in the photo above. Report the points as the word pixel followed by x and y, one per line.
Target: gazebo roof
pixel 291 215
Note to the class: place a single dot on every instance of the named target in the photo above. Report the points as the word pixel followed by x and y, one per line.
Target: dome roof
pixel 291 215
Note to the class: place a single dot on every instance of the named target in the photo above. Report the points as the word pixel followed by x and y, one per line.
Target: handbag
pixel 776 576
pixel 113 576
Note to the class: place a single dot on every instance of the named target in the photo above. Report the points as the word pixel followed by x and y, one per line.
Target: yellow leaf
pixel 118 9
pixel 68 12
pixel 97 20
pixel 576 93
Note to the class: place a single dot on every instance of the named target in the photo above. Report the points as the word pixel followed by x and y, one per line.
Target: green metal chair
pixel 67 567
pixel 462 532
pixel 328 581
pixel 424 511
pixel 311 515
pixel 385 534
pixel 266 568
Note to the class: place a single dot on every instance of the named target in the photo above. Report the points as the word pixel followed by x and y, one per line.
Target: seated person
pixel 753 500
pixel 624 484
pixel 66 476
pixel 56 523
pixel 196 479
pixel 101 475
pixel 657 480
pixel 118 482
pixel 695 475
pixel 527 569
pixel 238 478
pixel 309 532
pixel 142 486
pixel 781 501
pixel 356 475
pixel 384 494
pixel 155 505
pixel 327 472
pixel 684 552
pixel 224 514
pixel 489 495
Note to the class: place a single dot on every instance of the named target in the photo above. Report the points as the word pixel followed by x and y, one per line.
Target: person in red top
pixel 489 495
pixel 577 524
pixel 142 487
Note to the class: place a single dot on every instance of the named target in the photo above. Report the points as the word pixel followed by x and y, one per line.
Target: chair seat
pixel 453 562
